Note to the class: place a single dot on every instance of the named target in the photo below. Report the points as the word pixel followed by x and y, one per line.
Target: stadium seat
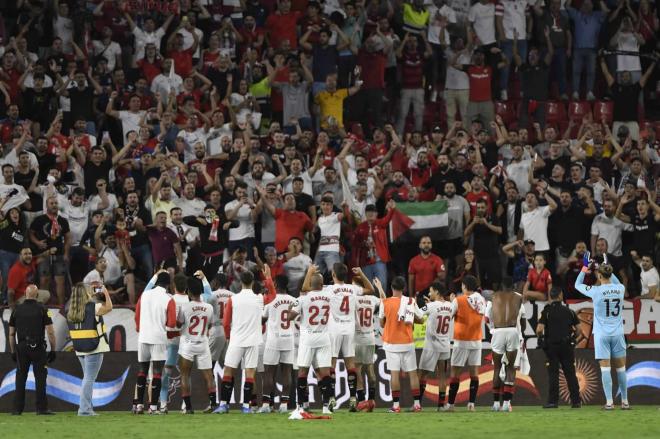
pixel 577 110
pixel 555 112
pixel 604 109
pixel 506 110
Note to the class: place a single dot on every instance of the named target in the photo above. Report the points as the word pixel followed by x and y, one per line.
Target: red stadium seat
pixel 506 110
pixel 555 112
pixel 604 109
pixel 577 110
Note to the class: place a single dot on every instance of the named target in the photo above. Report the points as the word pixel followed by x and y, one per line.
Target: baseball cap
pixel 437 129
pixel 529 241
pixel 370 208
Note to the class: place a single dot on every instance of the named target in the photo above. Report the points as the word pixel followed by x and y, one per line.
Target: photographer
pixel 88 336
pixel 557 330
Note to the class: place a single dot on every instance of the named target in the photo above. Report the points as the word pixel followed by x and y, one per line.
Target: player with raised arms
pixel 609 341
pixel 196 320
pixel 342 323
pixel 315 348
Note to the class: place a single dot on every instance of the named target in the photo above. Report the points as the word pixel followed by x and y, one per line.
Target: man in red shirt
pixel 289 223
pixel 281 26
pixel 23 274
pixel 183 59
pixel 370 244
pixel 411 65
pixel 368 103
pixel 425 268
pixel 480 76
pixel 478 192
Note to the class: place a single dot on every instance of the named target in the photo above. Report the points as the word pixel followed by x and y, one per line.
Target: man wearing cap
pixel 370 243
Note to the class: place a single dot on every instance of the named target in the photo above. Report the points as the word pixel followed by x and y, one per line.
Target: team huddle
pixel 263 333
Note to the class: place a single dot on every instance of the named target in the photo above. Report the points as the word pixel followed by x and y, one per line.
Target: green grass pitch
pixel 525 422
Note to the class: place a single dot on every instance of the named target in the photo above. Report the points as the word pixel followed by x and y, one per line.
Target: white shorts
pixel 198 352
pixel 273 357
pixel 151 352
pixel 461 357
pixel 248 356
pixel 218 346
pixel 430 357
pixel 505 340
pixel 401 361
pixel 364 354
pixel 344 343
pixel 320 357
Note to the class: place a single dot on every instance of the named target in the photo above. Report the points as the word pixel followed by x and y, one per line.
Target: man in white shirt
pixel 189 204
pixel 167 81
pixel 242 325
pixel 649 277
pixel 108 49
pixel 609 227
pixel 518 169
pixel 130 119
pixel 534 222
pixel 148 35
pixel 457 83
pixel 242 209
pixel 482 18
pixel 154 313
pixel 512 18
pixel 296 265
pixel 14 195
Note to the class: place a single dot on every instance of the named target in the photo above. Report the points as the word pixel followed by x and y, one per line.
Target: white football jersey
pixel 221 296
pixel 364 327
pixel 314 311
pixel 197 320
pixel 342 307
pixel 179 300
pixel 279 331
pixel 437 325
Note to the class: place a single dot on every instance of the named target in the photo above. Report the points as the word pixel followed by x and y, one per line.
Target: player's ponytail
pixel 605 270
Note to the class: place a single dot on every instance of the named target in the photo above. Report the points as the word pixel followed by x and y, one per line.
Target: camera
pixel 98 289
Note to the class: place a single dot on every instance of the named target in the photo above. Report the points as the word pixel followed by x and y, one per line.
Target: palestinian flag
pixel 411 221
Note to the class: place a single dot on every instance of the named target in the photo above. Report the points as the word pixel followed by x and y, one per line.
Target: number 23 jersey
pixel 196 319
pixel 314 311
pixel 437 325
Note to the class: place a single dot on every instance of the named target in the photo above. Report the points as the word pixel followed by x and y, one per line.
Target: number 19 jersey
pixel 437 325
pixel 197 319
pixel 342 307
pixel 314 311
pixel 364 327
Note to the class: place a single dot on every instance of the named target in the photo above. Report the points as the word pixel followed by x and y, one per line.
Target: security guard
pixel 556 330
pixel 27 324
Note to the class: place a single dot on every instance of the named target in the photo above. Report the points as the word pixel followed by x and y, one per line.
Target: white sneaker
pixel 591 97
pixel 504 96
pixel 506 407
pixel 576 96
pixel 283 409
pixel 264 409
pixel 470 407
pixel 496 407
pixel 326 410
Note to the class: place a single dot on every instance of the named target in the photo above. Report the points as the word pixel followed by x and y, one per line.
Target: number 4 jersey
pixel 280 331
pixel 196 319
pixel 314 311
pixel 437 325
pixel 342 307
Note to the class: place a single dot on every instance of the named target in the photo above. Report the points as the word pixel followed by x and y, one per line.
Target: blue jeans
pixel 326 260
pixel 558 69
pixel 507 49
pixel 379 270
pixel 142 256
pixel 584 59
pixel 7 259
pixel 91 365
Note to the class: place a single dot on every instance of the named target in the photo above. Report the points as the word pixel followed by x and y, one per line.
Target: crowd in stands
pixel 223 135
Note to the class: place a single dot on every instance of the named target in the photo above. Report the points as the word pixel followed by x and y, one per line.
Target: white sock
pixel 417 402
pixel 395 404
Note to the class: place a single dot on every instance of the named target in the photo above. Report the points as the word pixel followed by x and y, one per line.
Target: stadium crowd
pixel 228 135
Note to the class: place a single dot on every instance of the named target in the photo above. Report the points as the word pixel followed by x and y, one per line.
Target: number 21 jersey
pixel 196 319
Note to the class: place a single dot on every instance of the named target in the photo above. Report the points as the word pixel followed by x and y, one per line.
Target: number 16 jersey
pixel 437 325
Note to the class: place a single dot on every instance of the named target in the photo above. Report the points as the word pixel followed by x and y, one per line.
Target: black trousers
pixel 26 356
pixel 564 355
